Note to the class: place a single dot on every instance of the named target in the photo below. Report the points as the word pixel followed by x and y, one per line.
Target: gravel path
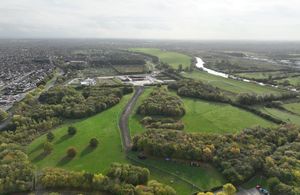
pixel 123 123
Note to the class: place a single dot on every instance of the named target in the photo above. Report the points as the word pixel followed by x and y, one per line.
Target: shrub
pixel 71 152
pixel 50 136
pixel 94 142
pixel 48 147
pixel 72 130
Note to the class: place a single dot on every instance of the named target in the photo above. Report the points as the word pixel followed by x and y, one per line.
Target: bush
pixel 72 130
pixel 71 152
pixel 94 142
pixel 48 147
pixel 50 136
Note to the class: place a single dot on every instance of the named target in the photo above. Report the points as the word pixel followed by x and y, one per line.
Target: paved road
pixel 123 123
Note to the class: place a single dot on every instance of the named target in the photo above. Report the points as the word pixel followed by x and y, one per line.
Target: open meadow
pixel 172 58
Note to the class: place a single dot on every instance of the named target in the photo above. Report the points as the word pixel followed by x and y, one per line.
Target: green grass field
pixel 211 117
pixel 103 126
pixel 283 115
pixel 293 107
pixel 295 81
pixel 172 58
pixel 134 120
pixel 231 85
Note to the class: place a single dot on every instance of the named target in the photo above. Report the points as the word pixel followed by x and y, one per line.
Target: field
pixel 204 177
pixel 283 115
pixel 260 75
pixel 172 58
pixel 103 126
pixel 130 69
pixel 294 81
pixel 293 107
pixel 134 120
pixel 231 85
pixel 210 117
pixel 96 72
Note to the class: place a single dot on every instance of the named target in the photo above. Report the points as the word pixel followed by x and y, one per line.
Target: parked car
pixel 262 190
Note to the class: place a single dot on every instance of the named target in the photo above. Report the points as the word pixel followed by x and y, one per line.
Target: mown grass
pixel 231 85
pixel 103 126
pixel 172 58
pixel 211 117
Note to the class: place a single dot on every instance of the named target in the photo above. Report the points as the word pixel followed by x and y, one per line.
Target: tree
pixel 48 147
pixel 180 68
pixel 50 136
pixel 94 142
pixel 72 130
pixel 71 152
pixel 229 189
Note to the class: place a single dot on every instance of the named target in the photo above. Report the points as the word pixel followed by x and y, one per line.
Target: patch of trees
pixel 252 99
pixel 198 89
pixel 237 156
pixel 161 102
pixel 3 115
pixel 284 168
pixel 162 123
pixel 16 172
pixel 107 58
pixel 39 113
pixel 120 179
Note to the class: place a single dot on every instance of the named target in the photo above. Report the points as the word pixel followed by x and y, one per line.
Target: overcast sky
pixel 158 19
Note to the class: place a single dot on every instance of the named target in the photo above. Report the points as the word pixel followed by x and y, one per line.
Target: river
pixel 200 64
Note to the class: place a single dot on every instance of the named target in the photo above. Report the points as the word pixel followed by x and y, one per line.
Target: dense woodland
pixel 161 102
pixel 120 179
pixel 275 151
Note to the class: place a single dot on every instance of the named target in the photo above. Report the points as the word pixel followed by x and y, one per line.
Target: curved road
pixel 123 123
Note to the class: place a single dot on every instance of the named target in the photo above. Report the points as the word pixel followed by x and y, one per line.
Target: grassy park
pixel 103 126
pixel 172 58
pixel 211 117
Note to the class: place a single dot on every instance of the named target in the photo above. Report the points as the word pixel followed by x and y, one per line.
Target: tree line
pixel 198 89
pixel 120 179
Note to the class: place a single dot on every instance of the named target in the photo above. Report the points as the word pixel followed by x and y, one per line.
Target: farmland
pixel 172 58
